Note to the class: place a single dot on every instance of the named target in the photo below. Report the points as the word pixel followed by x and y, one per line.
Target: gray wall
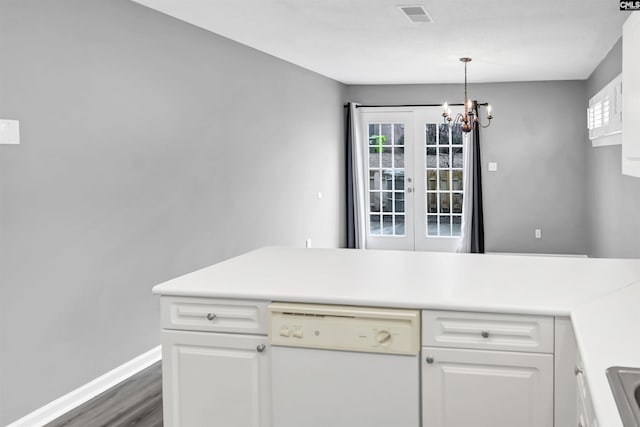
pixel 537 140
pixel 150 148
pixel 613 200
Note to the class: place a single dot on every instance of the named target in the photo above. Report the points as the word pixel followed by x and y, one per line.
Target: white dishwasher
pixel 339 366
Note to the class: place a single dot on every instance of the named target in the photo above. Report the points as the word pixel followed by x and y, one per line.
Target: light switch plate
pixel 493 166
pixel 9 131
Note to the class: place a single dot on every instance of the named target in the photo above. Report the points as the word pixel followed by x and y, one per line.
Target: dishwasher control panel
pixel 367 329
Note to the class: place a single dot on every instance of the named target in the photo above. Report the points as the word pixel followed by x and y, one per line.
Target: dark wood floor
pixel 135 402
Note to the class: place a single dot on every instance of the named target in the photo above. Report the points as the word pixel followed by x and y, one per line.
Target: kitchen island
pixel 498 285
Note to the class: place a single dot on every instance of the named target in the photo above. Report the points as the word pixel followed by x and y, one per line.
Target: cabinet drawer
pixel 203 314
pixel 487 331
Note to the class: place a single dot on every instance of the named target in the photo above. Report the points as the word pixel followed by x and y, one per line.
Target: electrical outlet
pixel 493 166
pixel 9 131
pixel 538 233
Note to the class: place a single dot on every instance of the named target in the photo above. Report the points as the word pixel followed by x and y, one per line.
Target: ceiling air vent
pixel 416 13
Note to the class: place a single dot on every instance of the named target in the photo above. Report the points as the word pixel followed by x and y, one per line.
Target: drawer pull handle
pixel 429 360
pixel 485 334
pixel 261 348
pixel 211 316
pixel 577 371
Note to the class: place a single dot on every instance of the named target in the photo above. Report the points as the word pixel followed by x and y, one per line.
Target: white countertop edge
pixel 364 302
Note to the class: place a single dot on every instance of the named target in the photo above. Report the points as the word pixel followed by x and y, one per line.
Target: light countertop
pixel 430 280
pixel 607 331
pixel 597 293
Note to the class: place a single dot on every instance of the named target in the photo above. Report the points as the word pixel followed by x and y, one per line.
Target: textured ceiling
pixel 372 42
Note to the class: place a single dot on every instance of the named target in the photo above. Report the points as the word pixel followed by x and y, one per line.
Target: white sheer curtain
pixel 467 201
pixel 358 182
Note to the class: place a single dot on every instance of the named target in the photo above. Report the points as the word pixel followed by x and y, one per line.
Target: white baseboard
pixel 77 397
pixel 543 255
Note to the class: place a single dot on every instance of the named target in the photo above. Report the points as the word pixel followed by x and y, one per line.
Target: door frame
pixel 414 119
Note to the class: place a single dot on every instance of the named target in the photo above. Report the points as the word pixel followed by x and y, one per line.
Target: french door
pixel 389 157
pixel 414 179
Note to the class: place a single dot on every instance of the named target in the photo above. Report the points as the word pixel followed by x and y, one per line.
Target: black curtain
pixel 351 222
pixel 477 214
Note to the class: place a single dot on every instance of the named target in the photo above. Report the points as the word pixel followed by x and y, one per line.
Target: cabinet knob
pixel 485 334
pixel 429 360
pixel 577 371
pixel 261 348
pixel 211 316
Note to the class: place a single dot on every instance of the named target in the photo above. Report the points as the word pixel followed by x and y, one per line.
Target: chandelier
pixel 470 119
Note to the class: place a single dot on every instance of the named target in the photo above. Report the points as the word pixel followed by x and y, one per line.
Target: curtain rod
pixel 415 105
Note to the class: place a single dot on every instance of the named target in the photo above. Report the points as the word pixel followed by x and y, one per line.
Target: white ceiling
pixel 372 42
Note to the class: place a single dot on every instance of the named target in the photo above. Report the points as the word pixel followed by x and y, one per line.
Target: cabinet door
pixel 565 389
pixel 586 413
pixel 463 388
pixel 583 416
pixel 630 94
pixel 212 379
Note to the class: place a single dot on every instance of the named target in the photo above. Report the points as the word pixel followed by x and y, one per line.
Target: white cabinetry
pixel 586 413
pixel 469 380
pixel 211 377
pixel 630 103
pixel 565 353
